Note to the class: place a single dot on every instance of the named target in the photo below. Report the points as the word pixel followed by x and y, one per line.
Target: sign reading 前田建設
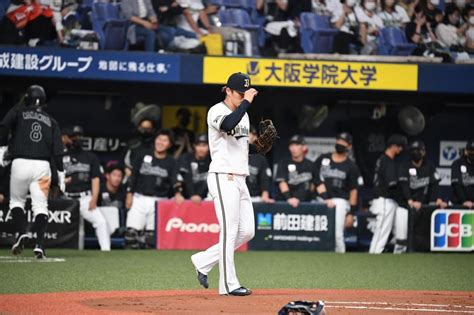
pixel 314 73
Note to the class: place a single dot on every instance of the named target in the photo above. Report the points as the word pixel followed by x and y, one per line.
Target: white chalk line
pixel 12 259
pixel 400 304
pixel 400 309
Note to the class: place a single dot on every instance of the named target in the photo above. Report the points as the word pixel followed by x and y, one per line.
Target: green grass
pixel 161 270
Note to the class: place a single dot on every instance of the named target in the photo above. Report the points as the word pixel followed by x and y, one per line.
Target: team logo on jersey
pixel 452 230
pixel 239 131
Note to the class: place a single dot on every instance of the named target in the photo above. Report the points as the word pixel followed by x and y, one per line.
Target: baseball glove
pixel 268 134
pixel 303 308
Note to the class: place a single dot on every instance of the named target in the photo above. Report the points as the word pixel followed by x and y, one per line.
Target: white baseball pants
pixel 142 213
pixel 384 209
pixel 97 220
pixel 234 212
pixel 33 176
pixel 400 230
pixel 341 210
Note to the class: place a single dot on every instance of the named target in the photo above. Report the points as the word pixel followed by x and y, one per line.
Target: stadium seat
pixel 392 42
pixel 317 35
pixel 237 18
pixel 4 4
pixel 109 27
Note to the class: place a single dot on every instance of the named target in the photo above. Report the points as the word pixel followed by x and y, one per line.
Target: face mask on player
pixel 341 148
pixel 416 156
pixel 75 145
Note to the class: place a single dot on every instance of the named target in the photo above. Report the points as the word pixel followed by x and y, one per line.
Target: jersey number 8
pixel 35 134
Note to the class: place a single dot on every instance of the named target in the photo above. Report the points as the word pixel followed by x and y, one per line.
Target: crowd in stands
pixel 247 27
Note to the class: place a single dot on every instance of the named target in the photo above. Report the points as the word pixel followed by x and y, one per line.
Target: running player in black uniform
pixel 154 178
pixel 419 183
pixel 462 178
pixel 260 176
pixel 295 175
pixel 193 169
pixel 35 143
pixel 336 179
pixel 387 191
pixel 83 184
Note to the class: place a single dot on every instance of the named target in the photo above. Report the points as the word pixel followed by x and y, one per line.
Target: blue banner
pixel 84 64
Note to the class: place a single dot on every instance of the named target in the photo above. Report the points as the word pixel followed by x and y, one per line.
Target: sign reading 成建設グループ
pixel 279 226
pixel 84 64
pixel 452 230
pixel 63 224
pixel 314 73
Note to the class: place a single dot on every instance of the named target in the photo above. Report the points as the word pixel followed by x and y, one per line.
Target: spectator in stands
pixel 392 14
pixel 183 136
pixel 295 175
pixel 193 169
pixel 260 177
pixel 319 7
pixel 32 23
pixel 56 7
pixel 173 36
pixel 409 7
pixel 193 15
pixel 469 20
pixel 285 23
pixel 462 178
pixel 419 32
pixel 351 30
pixel 144 22
pixel 450 33
pixel 112 198
pixel 367 13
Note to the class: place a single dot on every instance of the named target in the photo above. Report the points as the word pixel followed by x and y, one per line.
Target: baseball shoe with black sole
pixel 202 278
pixel 20 243
pixel 241 292
pixel 39 252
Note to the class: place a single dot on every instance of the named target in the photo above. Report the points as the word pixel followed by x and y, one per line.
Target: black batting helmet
pixel 35 96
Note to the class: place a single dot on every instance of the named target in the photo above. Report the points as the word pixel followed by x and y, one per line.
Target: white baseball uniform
pixel 96 218
pixel 227 186
pixel 33 176
pixel 142 213
pixel 384 209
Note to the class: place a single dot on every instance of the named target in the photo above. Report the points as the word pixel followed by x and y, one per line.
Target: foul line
pixel 11 259
pixel 399 304
pixel 401 309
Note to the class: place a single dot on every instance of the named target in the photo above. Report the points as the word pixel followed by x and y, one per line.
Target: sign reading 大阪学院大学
pixel 314 73
pixel 86 64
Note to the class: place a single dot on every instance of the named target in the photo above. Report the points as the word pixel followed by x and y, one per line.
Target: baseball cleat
pixel 241 292
pixel 20 243
pixel 202 278
pixel 39 252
